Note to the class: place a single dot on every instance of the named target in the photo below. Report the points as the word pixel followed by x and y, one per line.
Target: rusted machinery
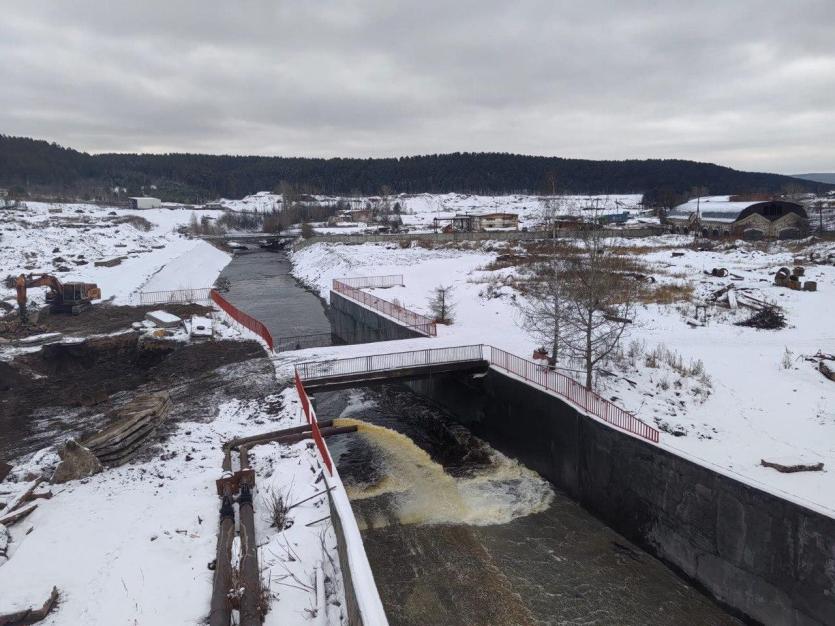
pixel 62 297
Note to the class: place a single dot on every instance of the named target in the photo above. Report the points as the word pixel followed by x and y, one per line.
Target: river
pixel 457 533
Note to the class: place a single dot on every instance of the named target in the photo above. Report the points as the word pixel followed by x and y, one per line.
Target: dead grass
pixel 137 221
pixel 666 294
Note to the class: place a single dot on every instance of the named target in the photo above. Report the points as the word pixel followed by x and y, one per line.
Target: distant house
pixel 467 223
pixel 498 221
pixel 359 215
pixel 4 193
pixel 721 216
pixel 144 203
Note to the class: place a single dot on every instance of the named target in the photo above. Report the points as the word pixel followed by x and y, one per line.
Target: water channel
pixel 457 533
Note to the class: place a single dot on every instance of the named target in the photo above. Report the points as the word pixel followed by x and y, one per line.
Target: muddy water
pixel 459 534
pixel 261 284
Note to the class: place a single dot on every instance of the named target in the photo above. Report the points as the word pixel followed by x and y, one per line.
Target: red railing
pixel 247 321
pixel 413 320
pixel 530 372
pixel 572 390
pixel 310 414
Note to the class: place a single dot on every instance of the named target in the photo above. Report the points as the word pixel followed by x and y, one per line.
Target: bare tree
pixel 600 299
pixel 543 308
pixel 442 305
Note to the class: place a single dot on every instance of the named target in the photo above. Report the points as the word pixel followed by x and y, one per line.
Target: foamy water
pixel 422 492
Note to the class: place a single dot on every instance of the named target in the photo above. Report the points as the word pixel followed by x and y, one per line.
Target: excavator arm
pixel 71 295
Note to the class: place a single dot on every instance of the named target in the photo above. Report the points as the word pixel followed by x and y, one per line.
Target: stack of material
pixel 134 424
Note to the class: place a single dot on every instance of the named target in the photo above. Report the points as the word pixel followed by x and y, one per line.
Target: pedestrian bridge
pixel 389 366
pixel 341 373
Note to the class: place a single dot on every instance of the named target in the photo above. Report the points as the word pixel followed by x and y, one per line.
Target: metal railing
pixel 300 342
pixel 570 389
pixel 200 295
pixel 374 282
pixel 531 372
pixel 416 321
pixel 313 370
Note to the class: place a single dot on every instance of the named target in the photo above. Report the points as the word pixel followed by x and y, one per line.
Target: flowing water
pixel 261 285
pixel 458 533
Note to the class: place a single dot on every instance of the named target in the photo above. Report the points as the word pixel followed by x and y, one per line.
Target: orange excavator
pixel 62 297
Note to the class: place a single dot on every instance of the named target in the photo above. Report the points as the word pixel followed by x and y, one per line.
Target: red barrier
pixel 310 414
pixel 247 321
pixel 419 322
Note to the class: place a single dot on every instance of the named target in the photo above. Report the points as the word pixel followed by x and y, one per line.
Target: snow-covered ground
pixel 418 210
pixel 67 239
pixel 741 405
pixel 132 544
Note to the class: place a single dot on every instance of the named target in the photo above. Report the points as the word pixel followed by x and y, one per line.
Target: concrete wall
pixel 516 235
pixel 352 609
pixel 768 559
pixel 353 323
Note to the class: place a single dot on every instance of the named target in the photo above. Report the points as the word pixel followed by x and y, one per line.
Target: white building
pixel 145 203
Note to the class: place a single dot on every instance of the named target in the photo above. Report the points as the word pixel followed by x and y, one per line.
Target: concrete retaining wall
pixel 771 560
pixel 353 323
pixel 352 609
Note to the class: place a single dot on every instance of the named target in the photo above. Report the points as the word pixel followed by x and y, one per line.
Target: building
pixel 359 215
pixel 145 203
pixel 498 221
pixel 467 223
pixel 721 216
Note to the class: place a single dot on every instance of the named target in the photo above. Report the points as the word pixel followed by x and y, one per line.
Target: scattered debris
pixel 16 516
pixel 790 469
pixel 767 318
pixel 30 616
pixel 163 319
pixel 110 262
pixel 719 272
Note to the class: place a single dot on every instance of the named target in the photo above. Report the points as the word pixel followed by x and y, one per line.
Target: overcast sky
pixel 750 84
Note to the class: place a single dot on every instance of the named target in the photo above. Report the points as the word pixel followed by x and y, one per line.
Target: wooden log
pixel 287 439
pixel 24 496
pixel 240 441
pixel 16 516
pixel 826 371
pixel 790 469
pixel 30 616
pixel 5 469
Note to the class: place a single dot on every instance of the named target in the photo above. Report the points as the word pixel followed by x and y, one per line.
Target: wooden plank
pixel 16 516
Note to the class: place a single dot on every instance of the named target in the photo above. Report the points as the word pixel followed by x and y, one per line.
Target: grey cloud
pixel 748 83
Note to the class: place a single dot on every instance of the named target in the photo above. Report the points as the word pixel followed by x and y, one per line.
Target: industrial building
pixel 728 216
pixel 145 203
pixel 466 222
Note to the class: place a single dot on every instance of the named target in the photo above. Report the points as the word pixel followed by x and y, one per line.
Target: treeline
pixel 35 166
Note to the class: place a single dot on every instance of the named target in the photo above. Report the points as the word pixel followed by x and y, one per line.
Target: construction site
pixel 283 435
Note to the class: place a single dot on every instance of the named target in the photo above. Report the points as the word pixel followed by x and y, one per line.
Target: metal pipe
pixel 221 609
pixel 250 576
